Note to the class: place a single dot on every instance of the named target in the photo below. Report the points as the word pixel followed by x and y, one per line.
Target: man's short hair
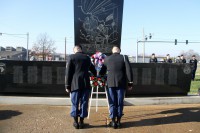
pixel 79 46
pixel 193 56
pixel 182 55
pixel 167 54
pixel 153 54
pixel 117 47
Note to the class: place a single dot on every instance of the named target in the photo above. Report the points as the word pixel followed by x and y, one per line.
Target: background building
pixel 11 53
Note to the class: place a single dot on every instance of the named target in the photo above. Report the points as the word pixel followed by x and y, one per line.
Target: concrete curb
pixel 19 100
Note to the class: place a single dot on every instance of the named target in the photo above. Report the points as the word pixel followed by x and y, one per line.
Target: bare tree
pixel 44 45
pixel 188 54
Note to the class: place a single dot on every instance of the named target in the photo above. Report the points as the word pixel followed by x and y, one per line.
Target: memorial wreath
pixel 98 60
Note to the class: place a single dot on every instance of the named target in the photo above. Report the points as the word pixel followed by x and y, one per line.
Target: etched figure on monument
pixel 90 26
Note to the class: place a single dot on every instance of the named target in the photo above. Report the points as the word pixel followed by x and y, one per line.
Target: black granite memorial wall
pixel 47 78
pixel 35 77
pixel 98 24
pixel 161 79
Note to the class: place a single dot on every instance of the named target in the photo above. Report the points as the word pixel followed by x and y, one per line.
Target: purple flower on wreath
pixel 98 60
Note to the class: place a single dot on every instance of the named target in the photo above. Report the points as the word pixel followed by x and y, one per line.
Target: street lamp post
pixel 143 47
pixel 27 52
pixel 27 36
pixel 65 47
pixel 145 38
pixel 137 52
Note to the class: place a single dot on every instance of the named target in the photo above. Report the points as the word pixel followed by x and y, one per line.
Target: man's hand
pixel 130 86
pixel 68 89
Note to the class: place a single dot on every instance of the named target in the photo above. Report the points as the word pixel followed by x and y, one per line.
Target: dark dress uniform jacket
pixel 168 60
pixel 153 60
pixel 194 64
pixel 118 70
pixel 77 71
pixel 183 60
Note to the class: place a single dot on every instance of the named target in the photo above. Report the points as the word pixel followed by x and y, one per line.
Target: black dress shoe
pixel 76 125
pixel 119 125
pixel 81 125
pixel 113 124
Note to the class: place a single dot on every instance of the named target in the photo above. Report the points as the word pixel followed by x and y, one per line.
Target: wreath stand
pixel 97 98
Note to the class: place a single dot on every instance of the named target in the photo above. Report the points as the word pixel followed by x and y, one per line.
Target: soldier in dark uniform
pixel 183 60
pixel 153 59
pixel 77 82
pixel 178 59
pixel 118 71
pixel 193 63
pixel 168 59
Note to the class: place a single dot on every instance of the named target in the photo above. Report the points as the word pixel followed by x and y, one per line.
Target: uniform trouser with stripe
pixel 193 74
pixel 116 101
pixel 80 97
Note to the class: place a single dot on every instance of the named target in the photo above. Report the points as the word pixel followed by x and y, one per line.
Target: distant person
pixel 119 72
pixel 183 60
pixel 193 63
pixel 168 59
pixel 32 58
pixel 153 59
pixel 77 82
pixel 178 59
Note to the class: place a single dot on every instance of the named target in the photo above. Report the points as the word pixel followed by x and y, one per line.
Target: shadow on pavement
pixel 87 126
pixel 7 114
pixel 181 115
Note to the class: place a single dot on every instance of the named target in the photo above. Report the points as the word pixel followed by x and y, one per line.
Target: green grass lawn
pixel 198 70
pixel 195 84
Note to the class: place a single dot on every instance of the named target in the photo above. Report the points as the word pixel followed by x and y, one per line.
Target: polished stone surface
pixel 45 77
pixel 98 24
